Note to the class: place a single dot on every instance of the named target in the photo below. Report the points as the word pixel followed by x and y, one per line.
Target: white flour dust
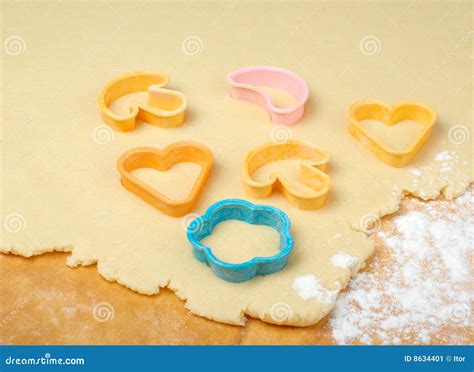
pixel 445 163
pixel 418 289
pixel 310 287
pixel 346 261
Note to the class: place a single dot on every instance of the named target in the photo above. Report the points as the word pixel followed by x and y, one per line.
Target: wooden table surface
pixel 42 301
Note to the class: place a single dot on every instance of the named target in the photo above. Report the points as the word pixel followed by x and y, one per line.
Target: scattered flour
pixel 444 156
pixel 445 162
pixel 416 172
pixel 418 288
pixel 346 261
pixel 309 286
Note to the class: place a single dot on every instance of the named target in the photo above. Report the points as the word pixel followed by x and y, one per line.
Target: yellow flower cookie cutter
pixel 165 107
pixel 313 165
pixel 162 160
pixel 390 115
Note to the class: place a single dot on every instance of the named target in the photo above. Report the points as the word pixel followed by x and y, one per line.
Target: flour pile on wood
pixel 418 287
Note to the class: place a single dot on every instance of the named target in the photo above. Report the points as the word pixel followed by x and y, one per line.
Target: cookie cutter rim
pixel 283 116
pixel 141 81
pixel 247 270
pixel 309 168
pixel 395 158
pixel 151 157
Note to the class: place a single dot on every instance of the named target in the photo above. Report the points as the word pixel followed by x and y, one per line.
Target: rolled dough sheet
pixel 60 188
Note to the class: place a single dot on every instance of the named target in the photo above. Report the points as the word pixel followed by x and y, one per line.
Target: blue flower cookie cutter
pixel 237 209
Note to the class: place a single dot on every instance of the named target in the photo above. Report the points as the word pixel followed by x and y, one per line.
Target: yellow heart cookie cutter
pixel 390 115
pixel 162 160
pixel 313 165
pixel 165 107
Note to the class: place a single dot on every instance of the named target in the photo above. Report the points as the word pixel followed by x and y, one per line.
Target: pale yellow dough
pixel 61 190
pixel 237 241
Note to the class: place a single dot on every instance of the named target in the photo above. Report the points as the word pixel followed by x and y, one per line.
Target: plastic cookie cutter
pixel 246 86
pixel 237 209
pixel 390 115
pixel 162 160
pixel 312 167
pixel 165 107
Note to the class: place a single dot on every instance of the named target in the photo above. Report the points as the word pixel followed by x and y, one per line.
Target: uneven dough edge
pixel 241 317
pixel 28 252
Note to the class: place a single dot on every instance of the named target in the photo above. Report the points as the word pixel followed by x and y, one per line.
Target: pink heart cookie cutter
pixel 246 84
